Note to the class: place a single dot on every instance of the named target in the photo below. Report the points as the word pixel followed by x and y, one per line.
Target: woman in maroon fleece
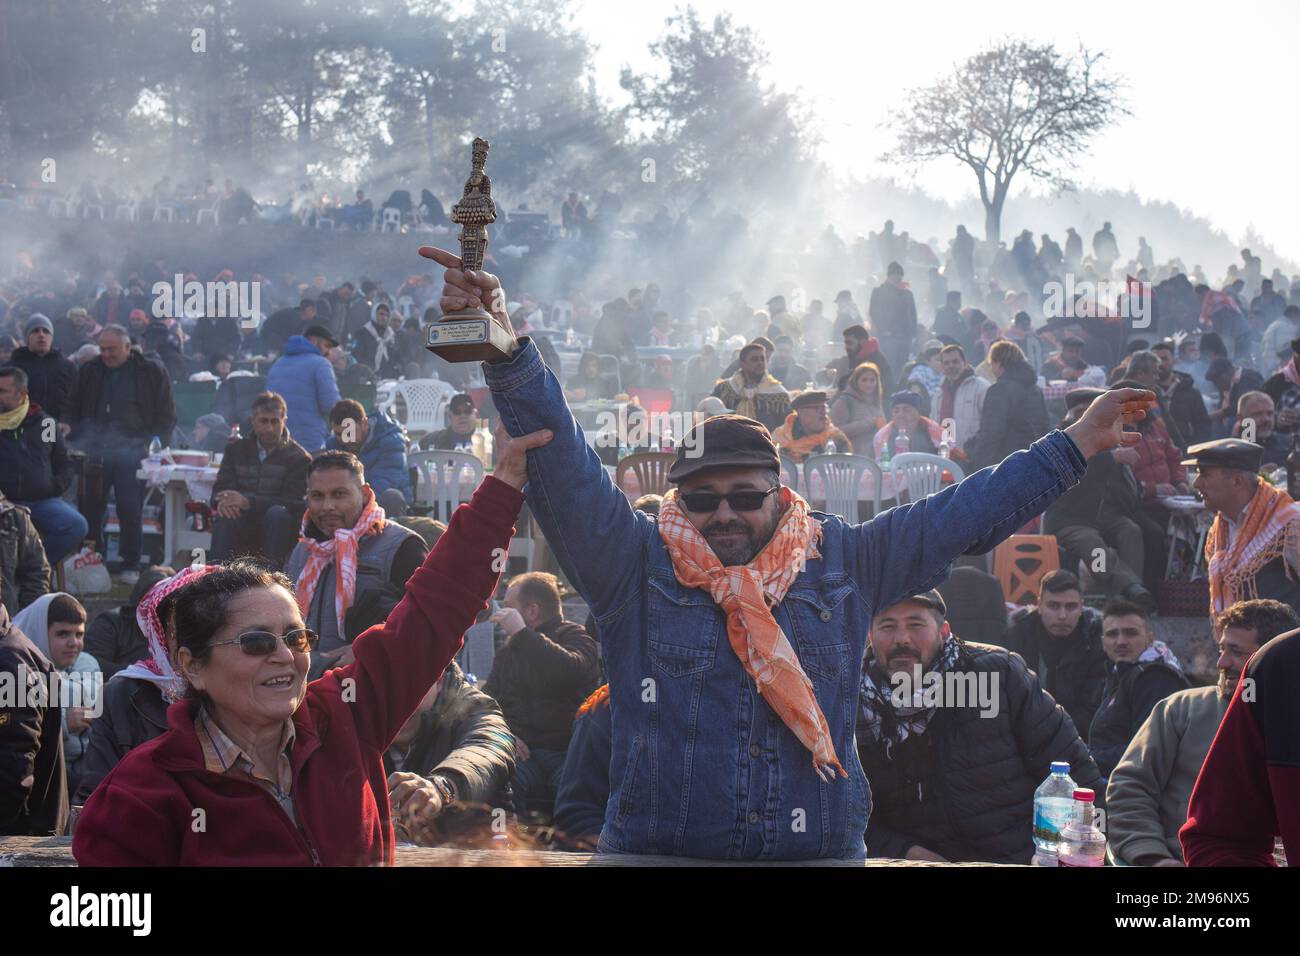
pixel 261 768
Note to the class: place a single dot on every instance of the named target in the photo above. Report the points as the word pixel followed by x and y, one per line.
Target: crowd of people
pixel 317 643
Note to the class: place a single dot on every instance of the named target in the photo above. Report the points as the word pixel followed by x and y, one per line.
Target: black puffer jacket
pixel 280 480
pixel 1079 675
pixel 540 677
pixel 51 379
pixel 463 736
pixel 1014 417
pixel 34 462
pixel 965 787
pixel 33 780
pixel 134 714
pixel 24 570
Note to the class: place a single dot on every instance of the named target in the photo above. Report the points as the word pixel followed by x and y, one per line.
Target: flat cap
pixel 725 441
pixel 320 332
pixel 810 397
pixel 905 398
pixel 1226 453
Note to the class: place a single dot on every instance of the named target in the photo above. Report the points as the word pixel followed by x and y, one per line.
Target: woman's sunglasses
pixel 261 643
pixel 705 502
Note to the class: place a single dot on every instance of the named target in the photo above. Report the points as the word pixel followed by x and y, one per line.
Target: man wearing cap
pixel 305 379
pixel 923 434
pixel 50 377
pixel 280 326
pixel 84 328
pixel 734 624
pixel 1283 387
pixel 752 391
pixel 954 738
pixel 808 428
pixel 1253 547
pixel 462 420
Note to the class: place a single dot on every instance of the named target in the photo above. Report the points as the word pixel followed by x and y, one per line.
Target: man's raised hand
pixel 469 290
pixel 1101 427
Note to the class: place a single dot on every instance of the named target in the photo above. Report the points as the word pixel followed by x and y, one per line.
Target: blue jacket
pixel 583 790
pixel 701 765
pixel 383 455
pixel 305 379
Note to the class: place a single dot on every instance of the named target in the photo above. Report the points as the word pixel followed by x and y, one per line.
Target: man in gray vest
pixel 376 558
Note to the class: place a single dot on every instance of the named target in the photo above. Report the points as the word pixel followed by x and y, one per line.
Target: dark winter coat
pixel 1014 417
pixel 51 379
pixel 34 462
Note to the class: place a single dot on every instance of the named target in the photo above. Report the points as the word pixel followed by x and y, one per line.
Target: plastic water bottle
pixel 153 464
pixel 1053 801
pixel 831 447
pixel 944 449
pixel 902 443
pixel 1082 842
pixel 884 453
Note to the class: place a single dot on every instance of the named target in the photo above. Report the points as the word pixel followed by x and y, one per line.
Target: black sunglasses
pixel 703 502
pixel 261 643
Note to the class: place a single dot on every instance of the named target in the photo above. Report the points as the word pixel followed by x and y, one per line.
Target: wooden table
pixel 57 851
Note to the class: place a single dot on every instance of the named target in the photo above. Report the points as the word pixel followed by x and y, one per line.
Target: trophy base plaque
pixel 469 336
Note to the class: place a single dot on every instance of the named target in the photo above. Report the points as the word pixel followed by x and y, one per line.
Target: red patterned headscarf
pixel 157 667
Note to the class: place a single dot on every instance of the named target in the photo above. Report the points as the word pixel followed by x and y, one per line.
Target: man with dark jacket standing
pixel 34 467
pixel 449 767
pixel 892 310
pixel 1182 402
pixel 123 400
pixel 50 377
pixel 545 669
pixel 1140 671
pixel 955 738
pixel 258 494
pixel 1014 414
pixel 33 781
pixel 284 324
pixel 1060 640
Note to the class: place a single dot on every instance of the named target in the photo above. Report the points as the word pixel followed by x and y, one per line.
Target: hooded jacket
pixel 383 455
pixel 34 462
pixel 33 782
pixel 51 379
pixel 305 380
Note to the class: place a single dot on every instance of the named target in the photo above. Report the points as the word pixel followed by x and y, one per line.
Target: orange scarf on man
pixel 341 549
pixel 1270 530
pixel 747 593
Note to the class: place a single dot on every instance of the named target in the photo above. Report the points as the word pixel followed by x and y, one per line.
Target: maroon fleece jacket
pixel 1248 791
pixel 145 811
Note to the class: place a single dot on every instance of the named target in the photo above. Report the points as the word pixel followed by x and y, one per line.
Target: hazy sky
pixel 1211 87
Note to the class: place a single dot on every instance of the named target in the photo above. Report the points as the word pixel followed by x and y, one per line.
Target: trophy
pixel 472 335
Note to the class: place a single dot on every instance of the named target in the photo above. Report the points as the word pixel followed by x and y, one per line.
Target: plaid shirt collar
pixel 222 755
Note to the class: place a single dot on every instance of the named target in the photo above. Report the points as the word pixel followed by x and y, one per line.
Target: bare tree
pixel 1011 108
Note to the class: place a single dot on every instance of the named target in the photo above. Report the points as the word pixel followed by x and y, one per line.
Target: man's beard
pixel 1227 684
pixel 735 551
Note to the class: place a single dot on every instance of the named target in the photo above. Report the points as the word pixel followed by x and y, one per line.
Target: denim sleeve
pixel 910 549
pixel 589 524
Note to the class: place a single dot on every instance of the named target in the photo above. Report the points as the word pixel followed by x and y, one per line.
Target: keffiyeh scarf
pixel 880 719
pixel 341 550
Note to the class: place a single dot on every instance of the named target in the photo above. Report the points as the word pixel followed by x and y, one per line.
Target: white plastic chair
pixel 323 221
pixel 99 211
pixel 426 400
pixel 130 209
pixel 61 208
pixel 208 211
pixel 444 479
pixel 392 217
pixel 164 209
pixel 841 478
pixel 922 473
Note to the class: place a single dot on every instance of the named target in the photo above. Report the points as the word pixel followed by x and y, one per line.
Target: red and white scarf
pixel 157 667
pixel 341 550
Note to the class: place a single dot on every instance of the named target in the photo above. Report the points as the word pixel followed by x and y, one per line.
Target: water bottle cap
pixel 1060 766
pixel 1084 794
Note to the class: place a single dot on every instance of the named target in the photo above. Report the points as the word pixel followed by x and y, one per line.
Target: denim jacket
pixel 701 765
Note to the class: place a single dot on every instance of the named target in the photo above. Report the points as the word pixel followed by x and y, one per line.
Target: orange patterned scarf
pixel 342 550
pixel 747 593
pixel 1270 530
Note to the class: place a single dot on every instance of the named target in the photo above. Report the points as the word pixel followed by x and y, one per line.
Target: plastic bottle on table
pixel 1082 843
pixel 902 443
pixel 1053 801
pixel 153 464
pixel 831 447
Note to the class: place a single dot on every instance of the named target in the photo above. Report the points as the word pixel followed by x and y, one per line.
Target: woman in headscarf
pixel 260 767
pixel 56 623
